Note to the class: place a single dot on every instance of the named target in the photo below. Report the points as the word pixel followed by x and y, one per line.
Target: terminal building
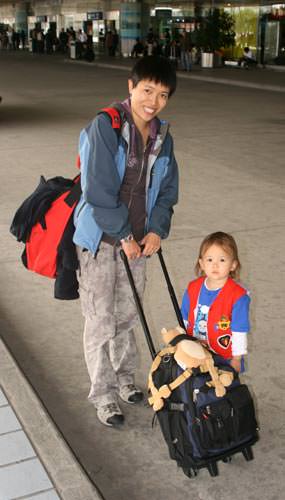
pixel 259 24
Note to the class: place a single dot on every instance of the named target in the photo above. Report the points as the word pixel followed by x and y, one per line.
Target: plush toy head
pixel 169 335
pixel 188 354
pixel 191 354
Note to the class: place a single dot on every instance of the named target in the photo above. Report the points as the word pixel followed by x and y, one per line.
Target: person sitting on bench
pixel 247 59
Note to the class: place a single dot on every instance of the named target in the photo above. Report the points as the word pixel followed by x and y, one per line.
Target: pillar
pixel 130 25
pixel 21 17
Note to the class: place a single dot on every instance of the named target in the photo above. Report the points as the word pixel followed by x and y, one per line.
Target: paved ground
pixel 230 148
pixel 35 461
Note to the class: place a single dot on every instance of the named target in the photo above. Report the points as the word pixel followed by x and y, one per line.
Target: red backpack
pixel 45 219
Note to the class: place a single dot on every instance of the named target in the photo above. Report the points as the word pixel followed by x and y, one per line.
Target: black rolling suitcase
pixel 199 428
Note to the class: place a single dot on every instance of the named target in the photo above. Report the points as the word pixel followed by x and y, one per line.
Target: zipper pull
pixel 220 423
pixel 195 395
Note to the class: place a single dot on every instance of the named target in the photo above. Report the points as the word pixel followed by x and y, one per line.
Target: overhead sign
pixel 95 16
pixel 41 19
pixel 163 13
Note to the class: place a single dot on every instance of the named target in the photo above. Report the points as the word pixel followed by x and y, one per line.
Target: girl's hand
pixel 236 363
pixel 151 243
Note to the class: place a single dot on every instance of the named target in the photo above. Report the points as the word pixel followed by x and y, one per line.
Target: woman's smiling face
pixel 148 98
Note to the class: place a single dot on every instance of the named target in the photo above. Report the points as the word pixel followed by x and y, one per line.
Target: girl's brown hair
pixel 228 244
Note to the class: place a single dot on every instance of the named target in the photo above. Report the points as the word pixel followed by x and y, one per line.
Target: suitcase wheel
pixel 247 453
pixel 190 472
pixel 213 469
pixel 227 460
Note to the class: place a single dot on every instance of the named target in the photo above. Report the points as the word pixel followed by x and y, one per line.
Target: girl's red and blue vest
pixel 219 332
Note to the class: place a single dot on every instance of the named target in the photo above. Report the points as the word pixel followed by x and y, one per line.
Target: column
pixel 21 17
pixel 130 25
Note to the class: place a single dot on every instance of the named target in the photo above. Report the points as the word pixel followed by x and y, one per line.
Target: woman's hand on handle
pixel 131 249
pixel 151 243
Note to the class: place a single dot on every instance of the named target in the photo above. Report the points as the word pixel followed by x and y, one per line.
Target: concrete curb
pixel 235 83
pixel 206 79
pixel 69 479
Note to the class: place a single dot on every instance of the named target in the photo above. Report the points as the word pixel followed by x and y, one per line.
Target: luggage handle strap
pixel 159 395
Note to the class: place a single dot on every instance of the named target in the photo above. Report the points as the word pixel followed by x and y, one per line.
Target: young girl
pixel 215 308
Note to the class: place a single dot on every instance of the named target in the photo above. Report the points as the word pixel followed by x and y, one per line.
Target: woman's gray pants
pixel 110 316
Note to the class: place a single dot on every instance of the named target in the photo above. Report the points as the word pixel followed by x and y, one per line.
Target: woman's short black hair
pixel 156 68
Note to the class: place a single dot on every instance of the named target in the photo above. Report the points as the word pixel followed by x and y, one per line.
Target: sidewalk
pixel 270 78
pixel 229 145
pixel 35 461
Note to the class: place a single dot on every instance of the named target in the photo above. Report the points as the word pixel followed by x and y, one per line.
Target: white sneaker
pixel 130 394
pixel 110 415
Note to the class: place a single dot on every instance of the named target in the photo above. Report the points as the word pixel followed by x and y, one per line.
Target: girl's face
pixel 217 265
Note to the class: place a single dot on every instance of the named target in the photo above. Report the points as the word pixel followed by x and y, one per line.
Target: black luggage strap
pixel 181 337
pixel 74 193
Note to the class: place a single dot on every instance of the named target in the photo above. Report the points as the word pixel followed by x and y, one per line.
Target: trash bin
pixel 207 60
pixel 72 50
pixel 218 61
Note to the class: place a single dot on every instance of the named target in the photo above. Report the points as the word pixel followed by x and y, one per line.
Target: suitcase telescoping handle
pixel 138 302
pixel 171 290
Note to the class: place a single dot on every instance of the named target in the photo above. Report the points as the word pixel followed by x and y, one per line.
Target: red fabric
pixel 114 115
pixel 220 314
pixel 78 162
pixel 41 249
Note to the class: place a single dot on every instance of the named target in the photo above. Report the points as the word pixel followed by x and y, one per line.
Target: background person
pixel 63 41
pixel 138 48
pixel 109 42
pixel 247 59
pixel 115 42
pixel 185 51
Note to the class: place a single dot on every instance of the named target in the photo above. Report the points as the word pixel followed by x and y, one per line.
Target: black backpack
pixel 44 223
pixel 199 427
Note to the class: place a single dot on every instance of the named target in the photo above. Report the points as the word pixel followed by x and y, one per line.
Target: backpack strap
pixel 74 193
pixel 115 117
pixel 181 337
pixel 158 395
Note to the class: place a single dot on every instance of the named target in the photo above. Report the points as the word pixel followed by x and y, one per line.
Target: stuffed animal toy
pixel 188 355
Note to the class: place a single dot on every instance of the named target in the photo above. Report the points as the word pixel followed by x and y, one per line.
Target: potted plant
pixel 215 31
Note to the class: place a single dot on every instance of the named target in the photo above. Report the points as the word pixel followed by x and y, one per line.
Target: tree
pixel 216 30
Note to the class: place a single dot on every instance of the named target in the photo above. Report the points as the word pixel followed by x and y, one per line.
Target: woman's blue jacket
pixel 103 158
